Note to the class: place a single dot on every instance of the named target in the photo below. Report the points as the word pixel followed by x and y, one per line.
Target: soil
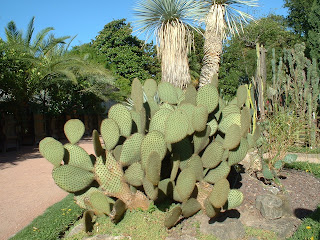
pixel 27 190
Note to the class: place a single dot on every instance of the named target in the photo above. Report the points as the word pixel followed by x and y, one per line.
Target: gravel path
pixel 26 188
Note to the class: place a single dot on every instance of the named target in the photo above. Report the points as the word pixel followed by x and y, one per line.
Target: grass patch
pixel 54 221
pixel 313 168
pixel 310 227
pixel 252 232
pixel 296 149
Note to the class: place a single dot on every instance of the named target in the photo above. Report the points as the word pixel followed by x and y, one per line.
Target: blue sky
pixel 86 18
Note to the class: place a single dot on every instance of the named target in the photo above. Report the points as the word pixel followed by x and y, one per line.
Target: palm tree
pixel 171 22
pixel 222 20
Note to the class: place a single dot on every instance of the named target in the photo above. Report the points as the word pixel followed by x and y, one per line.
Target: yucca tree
pixel 223 19
pixel 171 22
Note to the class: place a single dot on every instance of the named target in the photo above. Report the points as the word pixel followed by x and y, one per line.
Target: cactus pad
pixel 199 118
pixel 100 203
pixel 220 172
pixel 52 150
pixel 72 179
pixel 153 168
pixel 190 207
pixel 245 121
pixel 167 93
pixel 122 116
pixel 97 144
pixel 242 95
pixel 137 94
pixel 74 130
pixel 150 87
pixel 226 122
pixel 157 122
pixel 185 183
pixel 176 126
pixel 78 157
pixel 208 96
pixel 201 140
pixel 232 137
pixel 213 124
pixel 212 156
pixel 150 190
pixel 110 133
pixel 130 152
pixel 235 198
pixel 153 141
pixel 219 194
pixel 238 154
pixel 172 217
pixel 230 109
pixel 134 175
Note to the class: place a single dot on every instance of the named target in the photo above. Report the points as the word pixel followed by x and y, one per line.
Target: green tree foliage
pixel 39 73
pixel 196 55
pixel 125 55
pixel 239 54
pixel 313 34
pixel 298 11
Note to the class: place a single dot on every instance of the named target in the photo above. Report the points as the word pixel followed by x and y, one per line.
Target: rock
pixel 271 189
pixel 252 162
pixel 183 237
pixel 105 237
pixel 270 206
pixel 230 229
pixel 76 230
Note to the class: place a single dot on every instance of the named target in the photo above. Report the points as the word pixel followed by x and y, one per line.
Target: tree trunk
pixel 214 34
pixel 174 44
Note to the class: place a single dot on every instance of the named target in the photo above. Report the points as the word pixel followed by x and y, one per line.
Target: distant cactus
pixel 156 150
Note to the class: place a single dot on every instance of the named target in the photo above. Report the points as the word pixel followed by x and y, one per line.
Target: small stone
pixel 183 237
pixel 230 229
pixel 105 237
pixel 270 206
pixel 75 230
pixel 272 189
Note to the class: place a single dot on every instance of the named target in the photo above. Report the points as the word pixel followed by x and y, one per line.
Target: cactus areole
pixel 181 147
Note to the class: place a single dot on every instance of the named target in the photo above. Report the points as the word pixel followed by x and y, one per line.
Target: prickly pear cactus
pixel 171 144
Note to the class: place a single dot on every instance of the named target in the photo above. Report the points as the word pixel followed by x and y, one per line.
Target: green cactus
pixel 71 178
pixel 172 217
pixel 52 150
pixel 77 157
pixel 110 133
pixel 190 207
pixel 220 172
pixel 180 148
pixel 74 130
pixel 208 96
pixel 212 156
pixel 134 175
pixel 219 194
pixel 122 116
pixel 235 198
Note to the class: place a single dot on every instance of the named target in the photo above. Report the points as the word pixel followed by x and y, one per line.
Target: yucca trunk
pixel 174 43
pixel 214 35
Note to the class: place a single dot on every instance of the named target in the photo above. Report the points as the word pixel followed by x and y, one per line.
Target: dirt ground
pixel 27 188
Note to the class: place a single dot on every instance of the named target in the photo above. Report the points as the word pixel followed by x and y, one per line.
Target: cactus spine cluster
pixel 181 147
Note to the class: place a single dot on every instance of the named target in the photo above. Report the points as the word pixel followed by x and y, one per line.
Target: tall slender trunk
pixel 214 34
pixel 174 43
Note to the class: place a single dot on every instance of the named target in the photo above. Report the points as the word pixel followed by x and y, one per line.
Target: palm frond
pixel 233 18
pixel 30 31
pixel 12 33
pixel 40 37
pixel 151 14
